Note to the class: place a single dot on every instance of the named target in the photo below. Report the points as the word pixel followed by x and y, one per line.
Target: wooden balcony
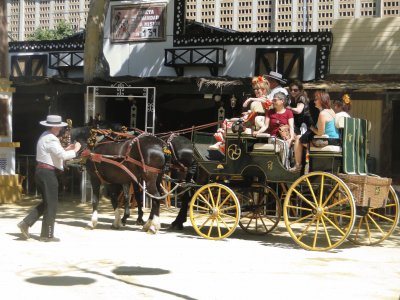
pixel 179 58
pixel 65 61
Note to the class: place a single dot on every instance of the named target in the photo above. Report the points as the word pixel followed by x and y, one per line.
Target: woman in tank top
pixel 325 125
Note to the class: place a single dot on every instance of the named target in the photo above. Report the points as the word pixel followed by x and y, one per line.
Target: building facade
pixel 285 15
pixel 25 16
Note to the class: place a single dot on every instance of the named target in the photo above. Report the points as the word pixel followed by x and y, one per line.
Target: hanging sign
pixel 138 22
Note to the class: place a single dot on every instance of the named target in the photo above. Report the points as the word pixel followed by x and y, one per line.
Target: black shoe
pixel 24 228
pixel 49 239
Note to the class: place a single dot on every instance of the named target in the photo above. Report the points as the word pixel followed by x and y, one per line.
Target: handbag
pixel 319 143
pixel 284 132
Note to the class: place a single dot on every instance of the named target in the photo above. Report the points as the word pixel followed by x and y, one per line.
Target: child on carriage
pixel 248 118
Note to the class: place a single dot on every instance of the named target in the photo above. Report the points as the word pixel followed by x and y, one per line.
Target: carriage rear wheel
pixel 373 225
pixel 261 209
pixel 214 211
pixel 319 211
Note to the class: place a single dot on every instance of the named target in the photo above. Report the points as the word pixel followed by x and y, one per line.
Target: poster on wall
pixel 138 22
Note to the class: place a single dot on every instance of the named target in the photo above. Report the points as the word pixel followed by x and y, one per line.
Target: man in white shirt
pixel 50 156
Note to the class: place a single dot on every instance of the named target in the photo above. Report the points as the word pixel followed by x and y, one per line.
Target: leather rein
pixel 113 159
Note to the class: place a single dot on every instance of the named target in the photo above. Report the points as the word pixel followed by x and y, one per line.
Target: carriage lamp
pixel 233 101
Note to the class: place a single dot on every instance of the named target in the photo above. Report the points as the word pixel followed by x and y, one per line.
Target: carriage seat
pixel 330 148
pixel 269 146
pixel 247 131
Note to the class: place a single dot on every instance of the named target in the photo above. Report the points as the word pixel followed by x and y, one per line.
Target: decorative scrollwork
pixel 234 152
pixel 150 107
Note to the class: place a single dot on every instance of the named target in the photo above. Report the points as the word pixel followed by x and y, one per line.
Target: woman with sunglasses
pixel 299 106
pixel 276 117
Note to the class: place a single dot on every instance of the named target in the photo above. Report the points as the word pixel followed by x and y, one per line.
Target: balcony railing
pixel 178 58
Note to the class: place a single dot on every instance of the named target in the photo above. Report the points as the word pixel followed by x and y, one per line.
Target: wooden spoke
pixel 324 222
pixel 217 211
pixel 261 207
pixel 377 224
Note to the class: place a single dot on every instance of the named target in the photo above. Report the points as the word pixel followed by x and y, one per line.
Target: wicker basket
pixel 370 191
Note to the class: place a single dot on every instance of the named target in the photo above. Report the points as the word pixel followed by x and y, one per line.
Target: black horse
pixel 117 162
pixel 182 167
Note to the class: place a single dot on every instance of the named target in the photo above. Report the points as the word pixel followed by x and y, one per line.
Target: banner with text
pixel 141 22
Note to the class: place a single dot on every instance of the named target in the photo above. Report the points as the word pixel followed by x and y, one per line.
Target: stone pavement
pixel 130 264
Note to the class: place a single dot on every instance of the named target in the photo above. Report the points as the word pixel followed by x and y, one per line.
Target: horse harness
pixel 177 165
pixel 112 159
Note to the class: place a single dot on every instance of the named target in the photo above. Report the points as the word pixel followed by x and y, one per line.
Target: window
pixel 29 66
pixel 288 62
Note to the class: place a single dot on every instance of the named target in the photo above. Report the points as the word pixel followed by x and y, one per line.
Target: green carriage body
pixel 319 208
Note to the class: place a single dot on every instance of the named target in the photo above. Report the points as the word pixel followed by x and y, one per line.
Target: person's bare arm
pixel 264 127
pixel 321 124
pixel 298 109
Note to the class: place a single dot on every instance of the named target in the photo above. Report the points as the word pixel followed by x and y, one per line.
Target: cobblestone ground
pixel 130 264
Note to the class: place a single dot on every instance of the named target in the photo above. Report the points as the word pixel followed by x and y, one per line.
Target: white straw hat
pixel 53 121
pixel 277 76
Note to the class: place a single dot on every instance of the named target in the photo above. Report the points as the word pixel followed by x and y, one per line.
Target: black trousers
pixel 47 184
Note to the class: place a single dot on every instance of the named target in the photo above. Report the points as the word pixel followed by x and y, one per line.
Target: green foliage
pixel 61 31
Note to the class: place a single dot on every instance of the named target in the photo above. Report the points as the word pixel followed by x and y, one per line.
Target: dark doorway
pixel 395 139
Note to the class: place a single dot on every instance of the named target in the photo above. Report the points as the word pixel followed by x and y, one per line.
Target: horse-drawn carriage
pixel 336 200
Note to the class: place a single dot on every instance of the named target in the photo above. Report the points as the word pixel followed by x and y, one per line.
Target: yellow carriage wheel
pixel 214 211
pixel 373 225
pixel 319 211
pixel 261 209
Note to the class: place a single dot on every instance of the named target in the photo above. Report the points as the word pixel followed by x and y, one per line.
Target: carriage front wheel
pixel 319 211
pixel 214 211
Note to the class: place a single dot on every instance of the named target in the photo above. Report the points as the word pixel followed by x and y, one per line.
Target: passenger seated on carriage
pixel 261 88
pixel 325 126
pixel 299 105
pixel 276 121
pixel 342 107
pixel 261 104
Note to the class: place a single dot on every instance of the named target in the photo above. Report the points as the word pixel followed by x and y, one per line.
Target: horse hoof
pixel 90 226
pixel 114 227
pixel 152 230
pixel 176 226
pixel 139 222
pixel 146 226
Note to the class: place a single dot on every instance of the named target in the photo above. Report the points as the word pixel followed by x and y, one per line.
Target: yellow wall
pixel 366 46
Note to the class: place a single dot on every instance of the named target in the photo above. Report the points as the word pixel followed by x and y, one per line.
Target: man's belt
pixel 45 166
